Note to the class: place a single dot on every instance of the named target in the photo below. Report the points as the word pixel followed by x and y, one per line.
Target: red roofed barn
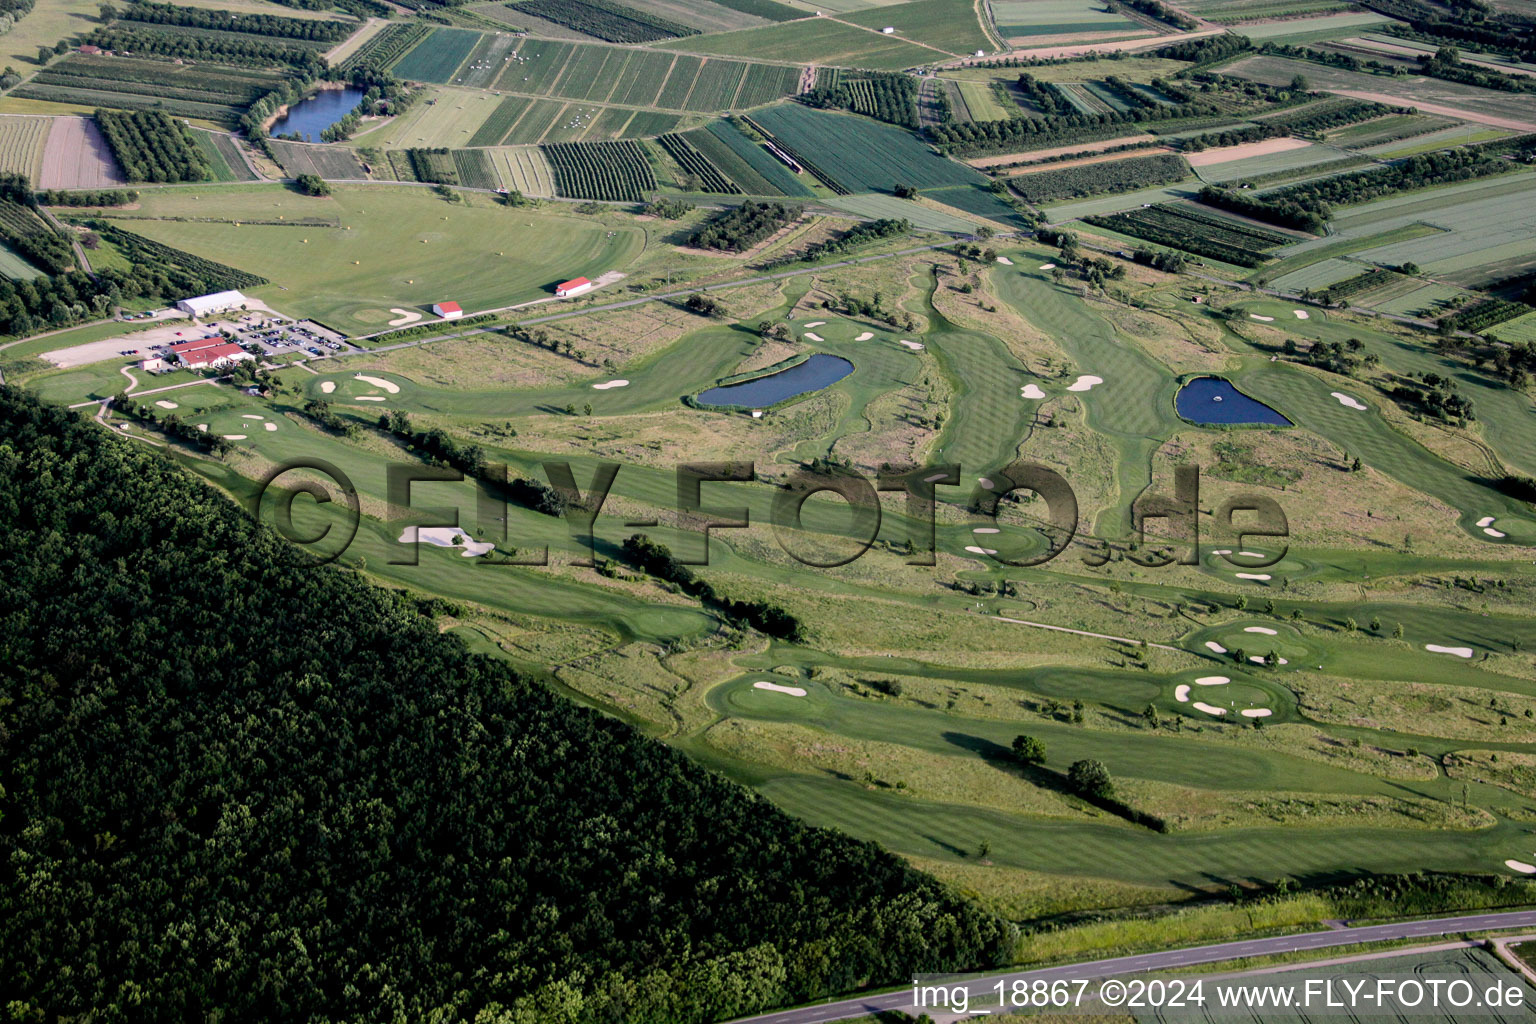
pixel 575 286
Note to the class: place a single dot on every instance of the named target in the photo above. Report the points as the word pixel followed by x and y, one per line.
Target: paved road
pixel 847 1009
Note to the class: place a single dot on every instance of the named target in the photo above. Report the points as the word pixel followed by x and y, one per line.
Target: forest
pixel 237 785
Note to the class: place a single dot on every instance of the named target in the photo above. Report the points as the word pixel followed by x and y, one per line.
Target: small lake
pixel 309 117
pixel 1215 400
pixel 760 392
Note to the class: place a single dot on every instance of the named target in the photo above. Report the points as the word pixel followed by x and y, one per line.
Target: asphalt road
pixel 979 987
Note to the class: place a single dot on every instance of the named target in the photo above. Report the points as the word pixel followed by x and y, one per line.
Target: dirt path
pixel 133 381
pixel 807 80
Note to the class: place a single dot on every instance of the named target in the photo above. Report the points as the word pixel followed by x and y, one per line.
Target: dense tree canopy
pixel 235 786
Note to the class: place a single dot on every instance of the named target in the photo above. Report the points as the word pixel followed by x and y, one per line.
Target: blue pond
pixel 309 117
pixel 760 392
pixel 1215 400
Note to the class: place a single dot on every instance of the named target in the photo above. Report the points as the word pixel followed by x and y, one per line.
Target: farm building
pixel 218 302
pixel 575 286
pixel 448 310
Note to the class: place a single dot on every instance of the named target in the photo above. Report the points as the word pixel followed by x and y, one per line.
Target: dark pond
pixel 1215 400
pixel 309 117
pixel 760 392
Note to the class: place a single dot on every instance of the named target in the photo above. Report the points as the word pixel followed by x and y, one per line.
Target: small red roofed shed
pixel 448 310
pixel 575 286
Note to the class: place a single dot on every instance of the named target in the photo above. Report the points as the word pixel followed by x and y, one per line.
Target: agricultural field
pixel 379 253
pixel 77 156
pixel 615 171
pixel 744 162
pixel 15 266
pixel 1099 176
pixel 524 169
pixel 642 78
pixel 949 25
pixel 703 15
pixel 1429 95
pixel 444 117
pixel 1461 229
pixel 330 162
pixel 1296 159
pixel 1055 21
pixel 222 156
pixel 22 142
pixel 817 41
pixel 206 92
pixel 437 57
pixel 1305 30
pixel 860 154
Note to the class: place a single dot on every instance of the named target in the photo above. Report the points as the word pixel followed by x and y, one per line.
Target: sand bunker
pixel 1266 319
pixel 162 403
pixel 1181 693
pixel 1256 713
pixel 1212 681
pixel 985 481
pixel 1346 400
pixel 619 383
pixel 371 398
pixel 1302 314
pixel 814 336
pixel 793 691
pixel 1031 391
pixel 1259 660
pixel 935 478
pixel 404 316
pixel 865 336
pixel 1261 629
pixel 327 386
pixel 251 416
pixel 986 529
pixel 1485 522
pixel 1005 261
pixel 815 323
pixel 980 551
pixel 913 345
pixel 202 426
pixel 1210 709
pixel 379 382
pixel 270 426
pixel 443 537
pixel 1222 551
pixel 1521 866
pixel 1213 645
pixel 1252 554
pixel 1460 652
pixel 1085 383
pixel 234 437
pixel 1253 576
pixel 1047 266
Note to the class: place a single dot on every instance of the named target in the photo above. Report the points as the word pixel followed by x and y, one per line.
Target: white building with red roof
pixel 575 286
pixel 448 310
